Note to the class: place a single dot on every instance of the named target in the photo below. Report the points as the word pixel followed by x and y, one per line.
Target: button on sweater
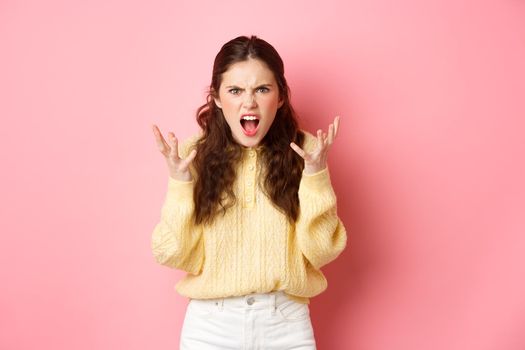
pixel 253 248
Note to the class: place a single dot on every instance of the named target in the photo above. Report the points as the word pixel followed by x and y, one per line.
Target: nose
pixel 249 101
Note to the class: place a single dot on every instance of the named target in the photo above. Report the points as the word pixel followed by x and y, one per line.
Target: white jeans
pixel 266 321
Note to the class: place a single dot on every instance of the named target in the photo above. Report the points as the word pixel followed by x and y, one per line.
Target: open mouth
pixel 249 124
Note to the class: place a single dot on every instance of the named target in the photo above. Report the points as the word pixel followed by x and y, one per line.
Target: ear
pixel 281 102
pixel 217 102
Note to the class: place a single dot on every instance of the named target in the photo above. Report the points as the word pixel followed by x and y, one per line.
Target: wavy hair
pixel 218 153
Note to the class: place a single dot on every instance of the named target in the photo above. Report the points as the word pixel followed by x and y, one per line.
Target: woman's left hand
pixel 316 160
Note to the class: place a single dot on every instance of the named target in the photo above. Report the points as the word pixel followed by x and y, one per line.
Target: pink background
pixel 428 168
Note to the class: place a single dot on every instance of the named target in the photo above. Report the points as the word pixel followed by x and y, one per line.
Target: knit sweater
pixel 253 248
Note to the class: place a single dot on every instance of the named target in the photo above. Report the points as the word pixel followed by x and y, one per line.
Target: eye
pixel 233 91
pixel 263 89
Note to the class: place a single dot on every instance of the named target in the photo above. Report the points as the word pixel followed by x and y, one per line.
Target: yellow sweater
pixel 252 248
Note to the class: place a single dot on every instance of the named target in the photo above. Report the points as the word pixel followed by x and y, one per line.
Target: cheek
pixel 230 111
pixel 271 102
pixel 229 105
pixel 226 103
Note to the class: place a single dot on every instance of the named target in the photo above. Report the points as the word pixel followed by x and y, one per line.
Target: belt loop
pixel 219 303
pixel 273 303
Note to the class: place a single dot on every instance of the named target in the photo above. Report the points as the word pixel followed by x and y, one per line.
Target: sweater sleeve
pixel 320 233
pixel 176 242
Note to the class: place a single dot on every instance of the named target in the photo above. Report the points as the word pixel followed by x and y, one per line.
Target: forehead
pixel 251 72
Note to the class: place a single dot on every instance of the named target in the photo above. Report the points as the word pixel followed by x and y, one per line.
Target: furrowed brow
pixel 259 86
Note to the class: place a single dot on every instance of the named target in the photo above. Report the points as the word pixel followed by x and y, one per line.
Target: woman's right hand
pixel 178 167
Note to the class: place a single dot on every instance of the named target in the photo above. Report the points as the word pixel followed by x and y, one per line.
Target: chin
pixel 246 141
pixel 250 143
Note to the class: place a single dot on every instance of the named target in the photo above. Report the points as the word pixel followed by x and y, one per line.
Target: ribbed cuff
pixel 315 182
pixel 180 189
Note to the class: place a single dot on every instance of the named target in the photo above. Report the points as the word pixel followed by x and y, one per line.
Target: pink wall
pixel 428 169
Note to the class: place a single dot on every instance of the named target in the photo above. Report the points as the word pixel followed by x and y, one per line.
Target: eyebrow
pixel 235 86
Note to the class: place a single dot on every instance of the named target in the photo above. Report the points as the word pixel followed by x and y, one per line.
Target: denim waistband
pixel 268 300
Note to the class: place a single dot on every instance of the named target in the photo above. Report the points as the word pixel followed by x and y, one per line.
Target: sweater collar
pixel 257 148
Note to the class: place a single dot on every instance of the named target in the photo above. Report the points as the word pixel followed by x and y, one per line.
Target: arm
pixel 320 233
pixel 176 242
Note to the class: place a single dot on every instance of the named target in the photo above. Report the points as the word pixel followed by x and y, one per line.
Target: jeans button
pixel 250 301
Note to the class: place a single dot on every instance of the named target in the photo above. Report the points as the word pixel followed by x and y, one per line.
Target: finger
pixel 190 157
pixel 174 153
pixel 325 139
pixel 298 150
pixel 336 126
pixel 161 143
pixel 320 141
pixel 330 134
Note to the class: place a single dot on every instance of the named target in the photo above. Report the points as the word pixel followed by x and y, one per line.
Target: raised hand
pixel 178 167
pixel 315 161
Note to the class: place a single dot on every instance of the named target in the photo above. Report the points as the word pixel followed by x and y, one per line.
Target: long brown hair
pixel 218 153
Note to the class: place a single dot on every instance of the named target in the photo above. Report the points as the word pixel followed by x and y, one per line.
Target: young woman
pixel 250 213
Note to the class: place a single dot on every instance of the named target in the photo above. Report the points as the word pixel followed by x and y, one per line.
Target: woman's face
pixel 249 99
